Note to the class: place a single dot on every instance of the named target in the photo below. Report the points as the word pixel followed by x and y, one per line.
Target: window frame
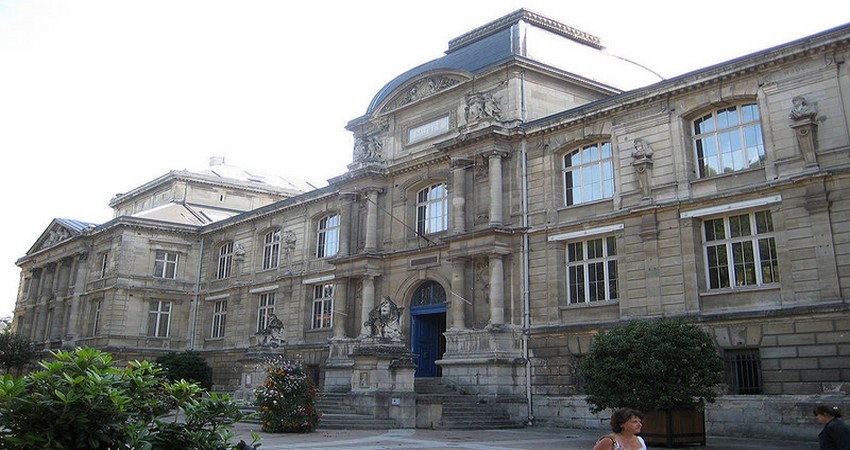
pixel 602 165
pixel 97 314
pixel 164 266
pixel 265 307
pixel 225 261
pixel 104 263
pixel 713 128
pixel 327 236
pixel 589 264
pixel 156 314
pixel 432 213
pixel 271 249
pixel 761 237
pixel 218 325
pixel 322 309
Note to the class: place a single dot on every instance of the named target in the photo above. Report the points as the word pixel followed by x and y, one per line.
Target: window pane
pixel 718 267
pixel 576 284
pixel 739 226
pixel 769 260
pixel 714 230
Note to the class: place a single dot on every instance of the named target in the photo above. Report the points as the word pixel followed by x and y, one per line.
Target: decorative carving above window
pixel 424 88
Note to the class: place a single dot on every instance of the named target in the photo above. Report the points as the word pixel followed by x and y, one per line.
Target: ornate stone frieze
pixel 424 88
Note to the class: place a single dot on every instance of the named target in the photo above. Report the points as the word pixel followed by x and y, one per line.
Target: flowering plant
pixel 286 400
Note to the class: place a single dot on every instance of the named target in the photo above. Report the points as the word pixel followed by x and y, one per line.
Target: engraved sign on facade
pixel 430 129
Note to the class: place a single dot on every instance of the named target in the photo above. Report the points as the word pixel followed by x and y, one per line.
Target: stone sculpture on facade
pixel 642 162
pixel 270 336
pixel 56 236
pixel 804 117
pixel 481 106
pixel 385 320
pixel 367 148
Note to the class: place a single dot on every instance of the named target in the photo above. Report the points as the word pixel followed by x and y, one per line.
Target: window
pixel 104 259
pixel 589 174
pixel 728 140
pixel 743 372
pixel 97 307
pixel 225 259
pixel 271 250
pixel 264 311
pixel 328 236
pixel 432 206
pixel 219 319
pixel 159 318
pixel 165 265
pixel 323 303
pixel 592 270
pixel 740 250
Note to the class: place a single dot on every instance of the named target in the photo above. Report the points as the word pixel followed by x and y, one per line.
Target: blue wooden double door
pixel 427 325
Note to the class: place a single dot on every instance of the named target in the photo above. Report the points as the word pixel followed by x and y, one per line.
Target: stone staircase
pixel 462 410
pixel 336 415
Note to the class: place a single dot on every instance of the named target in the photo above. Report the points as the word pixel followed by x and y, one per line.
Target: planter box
pixel 674 428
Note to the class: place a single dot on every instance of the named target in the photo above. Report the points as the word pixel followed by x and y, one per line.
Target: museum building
pixel 504 203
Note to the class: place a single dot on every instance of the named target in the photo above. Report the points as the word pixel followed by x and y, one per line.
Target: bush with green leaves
pixel 187 365
pixel 16 351
pixel 657 365
pixel 287 399
pixel 80 400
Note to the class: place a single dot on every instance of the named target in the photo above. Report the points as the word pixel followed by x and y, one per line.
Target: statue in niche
pixel 801 109
pixel 270 336
pixel 385 320
pixel 239 252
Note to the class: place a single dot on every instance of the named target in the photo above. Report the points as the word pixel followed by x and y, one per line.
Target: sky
pixel 98 97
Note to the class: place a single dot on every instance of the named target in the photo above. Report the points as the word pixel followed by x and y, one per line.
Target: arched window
pixel 728 140
pixel 327 242
pixel 589 173
pixel 432 209
pixel 271 249
pixel 429 293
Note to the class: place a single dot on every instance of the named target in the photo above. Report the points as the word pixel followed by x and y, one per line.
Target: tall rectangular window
pixel 328 236
pixel 219 319
pixel 740 250
pixel 592 270
pixel 165 264
pixel 432 209
pixel 225 260
pixel 104 260
pixel 97 307
pixel 265 310
pixel 271 250
pixel 159 318
pixel 323 303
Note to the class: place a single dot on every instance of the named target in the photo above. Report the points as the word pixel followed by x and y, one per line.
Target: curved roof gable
pixel 523 34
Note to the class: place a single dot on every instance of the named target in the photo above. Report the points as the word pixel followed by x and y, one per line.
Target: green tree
pixel 652 366
pixel 80 400
pixel 287 399
pixel 16 351
pixel 188 365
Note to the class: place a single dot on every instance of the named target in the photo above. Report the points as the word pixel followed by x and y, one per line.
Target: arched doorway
pixel 427 325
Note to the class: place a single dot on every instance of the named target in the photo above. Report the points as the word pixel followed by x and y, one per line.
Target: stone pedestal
pixel 485 361
pixel 339 366
pixel 254 367
pixel 382 381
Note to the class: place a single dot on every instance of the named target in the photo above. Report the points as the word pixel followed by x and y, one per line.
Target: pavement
pixel 536 438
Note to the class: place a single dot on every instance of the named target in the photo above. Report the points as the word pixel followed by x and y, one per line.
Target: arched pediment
pixel 421 87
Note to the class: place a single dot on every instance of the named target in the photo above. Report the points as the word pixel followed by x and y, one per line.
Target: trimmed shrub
pixel 187 365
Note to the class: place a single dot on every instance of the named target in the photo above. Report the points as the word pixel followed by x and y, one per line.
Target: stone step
pixel 354 422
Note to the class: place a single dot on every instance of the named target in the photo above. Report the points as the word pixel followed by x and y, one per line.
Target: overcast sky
pixel 98 97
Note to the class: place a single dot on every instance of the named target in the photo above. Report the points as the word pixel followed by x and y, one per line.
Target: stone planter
pixel 674 428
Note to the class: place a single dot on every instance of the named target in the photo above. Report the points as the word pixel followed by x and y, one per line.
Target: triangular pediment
pixel 59 230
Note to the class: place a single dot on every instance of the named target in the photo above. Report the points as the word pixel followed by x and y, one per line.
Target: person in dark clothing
pixel 836 433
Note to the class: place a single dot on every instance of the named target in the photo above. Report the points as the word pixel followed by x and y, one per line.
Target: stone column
pixel 371 244
pixel 340 302
pixel 495 161
pixel 497 291
pixel 73 316
pixel 367 303
pixel 344 202
pixel 458 193
pixel 458 295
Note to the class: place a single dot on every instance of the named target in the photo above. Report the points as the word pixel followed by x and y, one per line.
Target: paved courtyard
pixel 514 439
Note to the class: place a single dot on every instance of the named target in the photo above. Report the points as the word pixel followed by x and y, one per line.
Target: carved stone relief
pixel 424 88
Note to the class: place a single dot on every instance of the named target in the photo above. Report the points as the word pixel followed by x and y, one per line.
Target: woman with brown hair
pixel 626 424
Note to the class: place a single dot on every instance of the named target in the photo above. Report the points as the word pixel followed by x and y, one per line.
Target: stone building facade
pixel 510 199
